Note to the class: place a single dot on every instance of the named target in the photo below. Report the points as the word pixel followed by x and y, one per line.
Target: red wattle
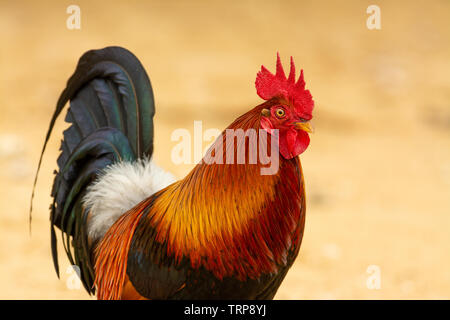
pixel 293 142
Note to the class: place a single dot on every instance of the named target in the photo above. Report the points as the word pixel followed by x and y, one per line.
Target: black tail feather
pixel 111 116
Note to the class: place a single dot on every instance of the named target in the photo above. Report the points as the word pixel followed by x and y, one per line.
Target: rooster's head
pixel 289 108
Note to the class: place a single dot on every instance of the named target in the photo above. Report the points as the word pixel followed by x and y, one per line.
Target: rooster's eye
pixel 280 113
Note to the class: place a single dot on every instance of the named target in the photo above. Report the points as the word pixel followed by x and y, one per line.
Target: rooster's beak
pixel 305 126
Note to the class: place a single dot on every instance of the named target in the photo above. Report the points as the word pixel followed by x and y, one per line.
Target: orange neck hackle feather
pixel 230 218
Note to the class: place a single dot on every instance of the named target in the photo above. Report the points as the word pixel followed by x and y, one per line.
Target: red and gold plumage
pixel 226 218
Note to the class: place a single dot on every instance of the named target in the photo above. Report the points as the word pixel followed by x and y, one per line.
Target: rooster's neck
pixel 231 215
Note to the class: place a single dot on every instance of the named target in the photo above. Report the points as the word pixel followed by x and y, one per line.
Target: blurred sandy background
pixel 378 167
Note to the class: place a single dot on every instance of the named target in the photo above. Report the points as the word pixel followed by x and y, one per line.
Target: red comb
pixel 270 85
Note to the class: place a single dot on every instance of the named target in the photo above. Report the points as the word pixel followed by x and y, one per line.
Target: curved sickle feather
pixel 109 63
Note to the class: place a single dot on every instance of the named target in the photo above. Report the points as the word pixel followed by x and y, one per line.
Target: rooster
pixel 225 231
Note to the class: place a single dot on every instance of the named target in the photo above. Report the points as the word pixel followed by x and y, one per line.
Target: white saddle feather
pixel 119 188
